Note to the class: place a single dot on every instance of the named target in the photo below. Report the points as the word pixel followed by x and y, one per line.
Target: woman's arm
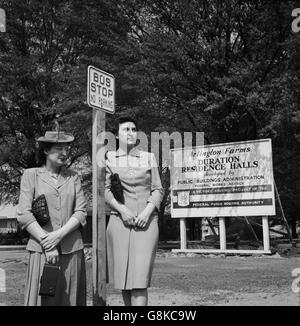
pixel 24 214
pixel 109 197
pixel 69 227
pixel 157 191
pixel 53 238
pixel 36 231
pixel 155 198
pixel 77 219
pixel 80 203
pixel 127 216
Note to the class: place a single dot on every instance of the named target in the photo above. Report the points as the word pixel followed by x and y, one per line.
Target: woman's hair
pixel 41 157
pixel 123 120
pixel 120 121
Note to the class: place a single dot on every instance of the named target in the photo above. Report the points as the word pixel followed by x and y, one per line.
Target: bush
pixel 14 238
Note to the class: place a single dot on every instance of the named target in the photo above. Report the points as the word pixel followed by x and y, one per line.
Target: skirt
pixel 131 253
pixel 71 285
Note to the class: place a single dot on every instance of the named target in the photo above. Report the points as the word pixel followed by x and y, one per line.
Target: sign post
pixel 266 237
pixel 101 97
pixel 221 180
pixel 222 233
pixel 183 242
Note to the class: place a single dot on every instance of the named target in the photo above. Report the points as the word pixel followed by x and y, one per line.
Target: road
pixel 195 281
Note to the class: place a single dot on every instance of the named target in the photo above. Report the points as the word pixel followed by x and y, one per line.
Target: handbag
pixel 40 210
pixel 49 280
pixel 116 187
pixel 39 207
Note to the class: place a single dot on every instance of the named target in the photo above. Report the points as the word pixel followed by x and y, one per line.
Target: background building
pixel 8 220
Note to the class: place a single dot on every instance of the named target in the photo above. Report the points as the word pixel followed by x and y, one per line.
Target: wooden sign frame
pixel 222 227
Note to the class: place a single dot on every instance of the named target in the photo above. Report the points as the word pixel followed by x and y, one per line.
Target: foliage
pixel 229 68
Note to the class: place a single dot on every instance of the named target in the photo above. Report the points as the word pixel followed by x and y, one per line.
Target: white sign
pixel 232 179
pixel 101 90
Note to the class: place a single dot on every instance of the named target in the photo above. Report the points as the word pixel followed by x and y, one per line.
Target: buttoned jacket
pixel 139 176
pixel 65 200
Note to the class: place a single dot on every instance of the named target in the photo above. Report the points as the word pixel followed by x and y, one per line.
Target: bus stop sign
pixel 101 90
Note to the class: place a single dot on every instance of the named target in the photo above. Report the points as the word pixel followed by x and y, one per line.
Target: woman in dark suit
pixel 132 232
pixel 59 241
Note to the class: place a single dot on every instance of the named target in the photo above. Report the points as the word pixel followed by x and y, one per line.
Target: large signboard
pixel 100 90
pixel 232 179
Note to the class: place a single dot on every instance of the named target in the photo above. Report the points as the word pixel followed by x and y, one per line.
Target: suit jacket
pixel 65 200
pixel 139 177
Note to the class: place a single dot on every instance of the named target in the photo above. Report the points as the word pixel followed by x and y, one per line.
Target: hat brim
pixel 68 139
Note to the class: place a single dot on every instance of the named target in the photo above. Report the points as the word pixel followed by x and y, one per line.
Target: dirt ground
pixel 195 280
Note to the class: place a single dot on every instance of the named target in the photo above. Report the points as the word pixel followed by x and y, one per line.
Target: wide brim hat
pixel 56 137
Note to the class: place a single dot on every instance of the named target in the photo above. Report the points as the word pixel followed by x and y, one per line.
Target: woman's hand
pixel 142 219
pixel 127 216
pixel 52 256
pixel 51 240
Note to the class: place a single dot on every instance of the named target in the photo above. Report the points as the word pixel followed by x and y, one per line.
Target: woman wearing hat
pixel 59 241
pixel 132 231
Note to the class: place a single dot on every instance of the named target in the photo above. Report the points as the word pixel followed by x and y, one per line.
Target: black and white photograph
pixel 149 155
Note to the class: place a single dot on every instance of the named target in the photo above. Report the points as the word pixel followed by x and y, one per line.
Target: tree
pixel 228 68
pixel 43 61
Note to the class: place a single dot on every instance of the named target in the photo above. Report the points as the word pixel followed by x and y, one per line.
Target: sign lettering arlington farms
pixel 232 179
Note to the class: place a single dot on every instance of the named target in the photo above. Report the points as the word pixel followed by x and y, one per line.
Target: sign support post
pixel 222 233
pixel 101 97
pixel 183 233
pixel 99 218
pixel 265 224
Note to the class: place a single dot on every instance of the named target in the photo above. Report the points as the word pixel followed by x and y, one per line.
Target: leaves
pixel 227 68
